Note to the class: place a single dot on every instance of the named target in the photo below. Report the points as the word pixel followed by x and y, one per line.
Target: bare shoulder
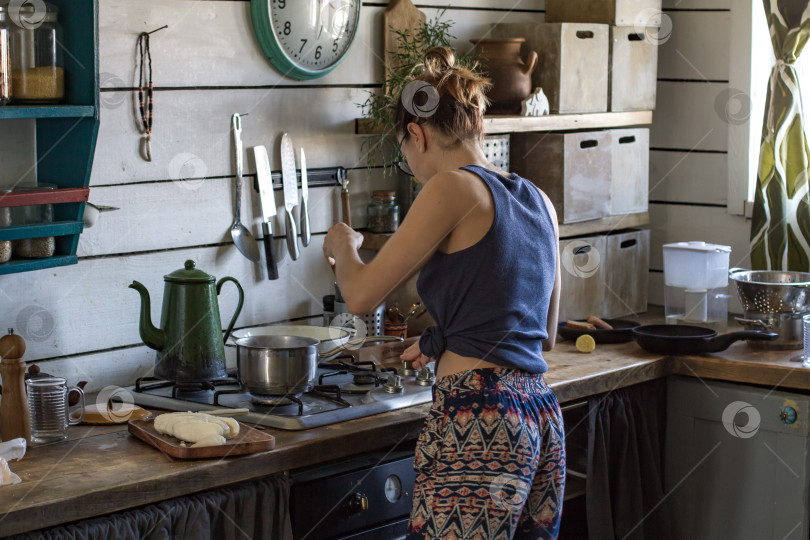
pixel 457 188
pixel 549 206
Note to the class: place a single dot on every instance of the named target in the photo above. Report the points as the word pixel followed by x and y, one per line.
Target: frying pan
pixel 622 331
pixel 673 339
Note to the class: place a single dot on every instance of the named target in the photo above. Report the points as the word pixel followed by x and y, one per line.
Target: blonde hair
pixel 462 97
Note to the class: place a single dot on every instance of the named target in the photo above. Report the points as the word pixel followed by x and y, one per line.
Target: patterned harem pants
pixel 490 461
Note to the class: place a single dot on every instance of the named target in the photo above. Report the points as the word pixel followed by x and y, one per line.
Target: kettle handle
pixel 238 307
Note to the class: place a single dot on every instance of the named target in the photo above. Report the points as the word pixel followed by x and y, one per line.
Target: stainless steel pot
pixel 329 337
pixel 286 365
pixel 277 365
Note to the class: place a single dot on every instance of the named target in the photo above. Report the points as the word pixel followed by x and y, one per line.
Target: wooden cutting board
pixel 400 15
pixel 249 441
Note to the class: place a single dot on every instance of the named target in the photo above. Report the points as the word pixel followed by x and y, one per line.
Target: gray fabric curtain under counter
pixel 253 510
pixel 625 485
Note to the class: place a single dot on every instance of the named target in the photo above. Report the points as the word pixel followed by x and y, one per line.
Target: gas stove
pixel 344 391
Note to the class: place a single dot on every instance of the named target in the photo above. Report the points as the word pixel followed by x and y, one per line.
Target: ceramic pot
pixel 511 77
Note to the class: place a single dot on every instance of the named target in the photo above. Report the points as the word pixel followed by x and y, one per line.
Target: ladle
pixel 242 238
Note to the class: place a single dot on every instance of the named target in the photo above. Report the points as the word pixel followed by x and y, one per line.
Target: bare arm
pixel 444 201
pixel 554 302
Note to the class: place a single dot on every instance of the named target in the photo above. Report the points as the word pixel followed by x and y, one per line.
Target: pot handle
pixel 736 269
pixel 531 63
pixel 356 344
pixel 723 341
pixel 238 306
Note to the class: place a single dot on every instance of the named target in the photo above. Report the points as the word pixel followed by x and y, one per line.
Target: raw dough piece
pixel 197 427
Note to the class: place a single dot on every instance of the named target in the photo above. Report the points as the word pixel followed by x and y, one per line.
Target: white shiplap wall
pixel 689 138
pixel 82 321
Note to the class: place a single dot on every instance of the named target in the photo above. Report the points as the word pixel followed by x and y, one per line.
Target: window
pixel 751 59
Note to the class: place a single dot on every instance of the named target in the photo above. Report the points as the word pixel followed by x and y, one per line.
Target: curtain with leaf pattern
pixel 780 228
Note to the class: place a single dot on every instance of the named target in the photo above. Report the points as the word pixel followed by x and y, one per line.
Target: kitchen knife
pixel 268 201
pixel 303 222
pixel 290 183
pixel 344 199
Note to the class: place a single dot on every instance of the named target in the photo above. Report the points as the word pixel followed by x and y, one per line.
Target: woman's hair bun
pixel 439 59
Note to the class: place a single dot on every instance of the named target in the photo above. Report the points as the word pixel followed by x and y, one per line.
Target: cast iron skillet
pixel 673 339
pixel 622 331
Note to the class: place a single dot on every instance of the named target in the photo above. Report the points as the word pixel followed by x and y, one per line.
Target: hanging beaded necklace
pixel 146 94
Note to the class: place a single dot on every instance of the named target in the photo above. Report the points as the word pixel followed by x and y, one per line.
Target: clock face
pixel 305 39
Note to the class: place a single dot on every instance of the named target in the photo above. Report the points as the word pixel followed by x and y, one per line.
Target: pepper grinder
pixel 15 420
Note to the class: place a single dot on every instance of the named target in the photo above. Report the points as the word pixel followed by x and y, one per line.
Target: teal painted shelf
pixel 59 228
pixel 65 141
pixel 26 265
pixel 47 111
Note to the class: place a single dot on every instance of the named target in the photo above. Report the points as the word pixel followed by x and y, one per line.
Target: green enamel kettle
pixel 189 342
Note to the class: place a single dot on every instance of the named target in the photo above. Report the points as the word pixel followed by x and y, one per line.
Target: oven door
pixel 366 497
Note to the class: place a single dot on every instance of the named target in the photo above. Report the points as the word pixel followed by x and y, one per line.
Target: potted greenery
pixel 380 106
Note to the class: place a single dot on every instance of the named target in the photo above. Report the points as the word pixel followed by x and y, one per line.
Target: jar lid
pixel 189 274
pixel 384 195
pixel 697 246
pixel 32 14
pixel 36 187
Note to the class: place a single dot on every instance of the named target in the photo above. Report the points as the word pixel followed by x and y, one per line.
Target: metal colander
pixel 772 291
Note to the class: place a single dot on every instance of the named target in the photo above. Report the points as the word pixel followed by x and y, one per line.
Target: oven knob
pixel 393 385
pixel 425 377
pixel 356 503
pixel 787 415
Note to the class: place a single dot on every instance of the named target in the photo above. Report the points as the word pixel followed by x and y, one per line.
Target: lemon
pixel 585 343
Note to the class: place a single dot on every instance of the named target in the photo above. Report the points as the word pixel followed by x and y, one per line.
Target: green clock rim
pixel 263 29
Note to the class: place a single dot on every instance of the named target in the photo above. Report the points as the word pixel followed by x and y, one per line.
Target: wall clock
pixel 305 39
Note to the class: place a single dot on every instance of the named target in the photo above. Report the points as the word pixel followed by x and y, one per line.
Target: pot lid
pixel 698 246
pixel 189 274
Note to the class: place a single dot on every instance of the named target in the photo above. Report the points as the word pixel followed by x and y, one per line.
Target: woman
pixel 490 460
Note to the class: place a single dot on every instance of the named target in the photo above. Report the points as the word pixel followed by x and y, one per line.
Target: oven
pixel 366 497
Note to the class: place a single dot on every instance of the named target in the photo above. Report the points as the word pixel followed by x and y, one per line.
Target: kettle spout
pixel 153 337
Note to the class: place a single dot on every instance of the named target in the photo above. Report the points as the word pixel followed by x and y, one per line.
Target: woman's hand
pixel 337 238
pixel 414 354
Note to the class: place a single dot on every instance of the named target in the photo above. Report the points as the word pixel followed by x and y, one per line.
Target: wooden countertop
pixel 104 469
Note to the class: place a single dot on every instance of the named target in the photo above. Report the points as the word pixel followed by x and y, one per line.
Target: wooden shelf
pixel 552 122
pixel 47 111
pixel 44 196
pixel 610 223
pixel 57 228
pixel 375 241
pixel 26 265
pixel 65 143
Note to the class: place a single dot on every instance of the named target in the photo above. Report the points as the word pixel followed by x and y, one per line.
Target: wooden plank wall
pixel 689 138
pixel 82 321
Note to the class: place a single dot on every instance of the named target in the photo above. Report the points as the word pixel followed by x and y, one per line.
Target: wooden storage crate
pixel 633 70
pixel 626 267
pixel 572 168
pixel 573 65
pixel 630 170
pixel 582 270
pixel 617 12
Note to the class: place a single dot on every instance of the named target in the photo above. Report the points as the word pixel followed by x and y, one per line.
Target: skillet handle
pixel 723 341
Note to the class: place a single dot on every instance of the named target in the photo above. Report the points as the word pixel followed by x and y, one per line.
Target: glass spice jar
pixel 38 75
pixel 5 221
pixel 383 212
pixel 5 56
pixel 33 248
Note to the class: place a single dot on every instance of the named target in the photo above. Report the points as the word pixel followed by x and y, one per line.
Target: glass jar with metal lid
pixel 35 214
pixel 38 75
pixel 5 221
pixel 5 57
pixel 383 212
